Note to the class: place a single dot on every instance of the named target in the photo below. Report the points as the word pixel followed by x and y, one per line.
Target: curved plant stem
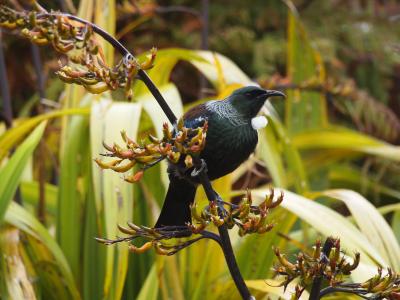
pixel 316 285
pixel 226 244
pixel 225 241
pixel 40 80
pixel 5 91
pixel 332 289
pixel 125 53
pixel 237 277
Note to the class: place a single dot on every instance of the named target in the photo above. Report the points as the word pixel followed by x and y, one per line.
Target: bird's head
pixel 249 100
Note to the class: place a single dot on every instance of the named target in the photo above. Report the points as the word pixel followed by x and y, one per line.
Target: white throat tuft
pixel 259 122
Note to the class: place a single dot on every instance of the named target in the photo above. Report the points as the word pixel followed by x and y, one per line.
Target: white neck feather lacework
pixel 225 110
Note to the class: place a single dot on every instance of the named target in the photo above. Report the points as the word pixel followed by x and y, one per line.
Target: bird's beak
pixel 272 93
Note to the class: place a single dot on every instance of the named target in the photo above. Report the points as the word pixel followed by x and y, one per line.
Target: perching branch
pixel 324 259
pixel 226 244
pixel 5 92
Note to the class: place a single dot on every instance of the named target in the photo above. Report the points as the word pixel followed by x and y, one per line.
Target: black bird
pixel 231 138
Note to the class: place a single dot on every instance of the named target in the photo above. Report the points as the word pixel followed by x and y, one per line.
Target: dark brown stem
pixel 232 264
pixel 5 91
pixel 157 95
pixel 317 283
pixel 337 289
pixel 226 244
pixel 6 97
pixel 37 64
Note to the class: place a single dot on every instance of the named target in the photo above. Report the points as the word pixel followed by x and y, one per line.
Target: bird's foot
pixel 168 232
pixel 222 212
pixel 199 169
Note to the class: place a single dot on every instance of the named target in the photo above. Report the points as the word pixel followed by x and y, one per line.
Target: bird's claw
pixel 168 232
pixel 197 170
pixel 222 212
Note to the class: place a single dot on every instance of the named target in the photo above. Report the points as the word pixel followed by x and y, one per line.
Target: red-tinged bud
pixel 269 198
pixel 135 177
pixel 217 220
pixel 165 148
pixel 145 159
pixel 247 226
pixel 148 63
pixel 394 296
pixel 195 148
pixel 9 25
pixel 194 213
pixel 179 147
pixel 213 208
pixel 317 249
pixel 124 136
pixel 107 147
pixel 160 249
pixel 181 137
pixel 107 165
pixel 174 156
pixel 126 154
pixel 180 124
pixel 124 168
pixel 103 241
pixel 166 132
pixel 197 228
pixel 98 88
pixel 277 202
pixel 249 197
pixel 153 139
pixel 244 210
pixel 348 268
pixel 188 161
pixel 141 249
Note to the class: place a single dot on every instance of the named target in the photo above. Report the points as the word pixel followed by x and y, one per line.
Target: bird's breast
pixel 230 138
pixel 227 146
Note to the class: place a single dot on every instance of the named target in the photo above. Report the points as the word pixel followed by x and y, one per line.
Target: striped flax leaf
pixel 20 218
pixel 11 173
pixel 114 197
pixel 304 110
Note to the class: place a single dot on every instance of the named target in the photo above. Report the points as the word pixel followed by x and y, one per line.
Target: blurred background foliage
pixel 332 144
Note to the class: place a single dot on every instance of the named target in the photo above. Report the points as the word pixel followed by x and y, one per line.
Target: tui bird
pixel 231 138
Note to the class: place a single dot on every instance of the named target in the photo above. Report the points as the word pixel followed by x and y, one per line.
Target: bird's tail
pixel 176 208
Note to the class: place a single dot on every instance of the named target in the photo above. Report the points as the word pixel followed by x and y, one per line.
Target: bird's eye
pixel 248 94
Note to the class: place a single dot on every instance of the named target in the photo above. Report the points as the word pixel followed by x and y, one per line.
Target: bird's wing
pixel 196 116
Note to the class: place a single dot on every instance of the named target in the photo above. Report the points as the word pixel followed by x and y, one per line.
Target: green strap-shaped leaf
pixel 342 138
pixel 150 288
pixel 371 224
pixel 304 109
pixel 11 173
pixel 13 136
pixel 17 216
pixel 114 196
